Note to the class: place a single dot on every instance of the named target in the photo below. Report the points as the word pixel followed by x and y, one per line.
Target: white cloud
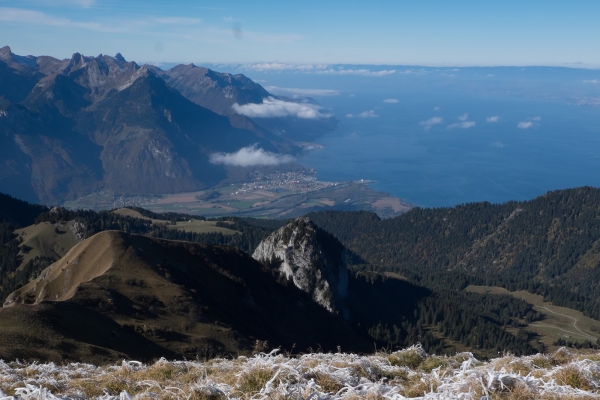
pixel 293 92
pixel 594 81
pixel 250 156
pixel 22 16
pixel 349 116
pixel 464 117
pixel 462 125
pixel 390 101
pixel 431 122
pixel 498 144
pixel 368 114
pixel 363 72
pixel 275 66
pixel 536 118
pixel 312 68
pixel 436 109
pixel 58 3
pixel 271 108
pixel 495 118
pixel 525 124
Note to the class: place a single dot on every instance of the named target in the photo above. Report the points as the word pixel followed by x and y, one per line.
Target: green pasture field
pixel 557 323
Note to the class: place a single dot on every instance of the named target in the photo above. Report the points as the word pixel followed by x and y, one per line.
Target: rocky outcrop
pixel 311 258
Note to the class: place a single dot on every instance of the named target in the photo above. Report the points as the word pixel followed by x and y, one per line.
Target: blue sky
pixel 358 32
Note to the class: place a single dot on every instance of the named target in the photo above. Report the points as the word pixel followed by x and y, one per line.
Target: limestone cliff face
pixel 311 258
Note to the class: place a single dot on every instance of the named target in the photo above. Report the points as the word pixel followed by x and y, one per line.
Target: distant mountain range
pixel 71 127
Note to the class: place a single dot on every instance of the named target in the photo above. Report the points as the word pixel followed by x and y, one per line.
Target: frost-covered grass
pixel 409 373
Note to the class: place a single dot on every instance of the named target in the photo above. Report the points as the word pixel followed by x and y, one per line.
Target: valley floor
pixel 409 373
pixel 277 196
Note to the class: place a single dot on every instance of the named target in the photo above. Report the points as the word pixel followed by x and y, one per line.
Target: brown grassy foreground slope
pixel 409 373
pixel 117 295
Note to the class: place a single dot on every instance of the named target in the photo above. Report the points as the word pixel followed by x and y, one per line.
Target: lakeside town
pixel 275 194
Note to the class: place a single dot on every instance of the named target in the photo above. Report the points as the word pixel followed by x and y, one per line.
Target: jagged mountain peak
pixel 5 52
pixel 310 257
pixel 16 61
pixel 100 74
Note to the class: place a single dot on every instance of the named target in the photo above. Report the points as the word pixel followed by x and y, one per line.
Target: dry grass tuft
pixel 409 373
pixel 573 377
pixel 252 381
pixel 410 358
pixel 562 356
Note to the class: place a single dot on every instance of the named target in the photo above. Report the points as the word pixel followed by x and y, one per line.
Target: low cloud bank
pixel 390 101
pixel 529 124
pixel 493 119
pixel 431 122
pixel 462 125
pixel 272 108
pixel 525 124
pixel 250 156
pixel 275 66
pixel 317 69
pixel 364 114
pixel 368 114
pixel 363 72
pixel 294 92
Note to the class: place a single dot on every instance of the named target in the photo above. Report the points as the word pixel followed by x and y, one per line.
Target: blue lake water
pixel 444 166
pixel 558 146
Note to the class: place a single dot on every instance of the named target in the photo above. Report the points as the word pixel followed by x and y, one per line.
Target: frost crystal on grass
pixel 409 373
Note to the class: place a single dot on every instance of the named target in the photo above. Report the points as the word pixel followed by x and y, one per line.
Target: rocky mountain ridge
pixel 72 127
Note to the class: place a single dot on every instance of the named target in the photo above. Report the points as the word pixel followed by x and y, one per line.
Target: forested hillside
pixel 394 313
pixel 14 213
pixel 549 245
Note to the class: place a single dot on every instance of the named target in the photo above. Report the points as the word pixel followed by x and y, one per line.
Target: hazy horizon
pixel 432 33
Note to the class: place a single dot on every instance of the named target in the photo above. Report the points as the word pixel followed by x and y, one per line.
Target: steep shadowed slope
pixel 117 295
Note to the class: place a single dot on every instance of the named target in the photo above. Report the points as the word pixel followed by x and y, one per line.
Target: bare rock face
pixel 312 258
